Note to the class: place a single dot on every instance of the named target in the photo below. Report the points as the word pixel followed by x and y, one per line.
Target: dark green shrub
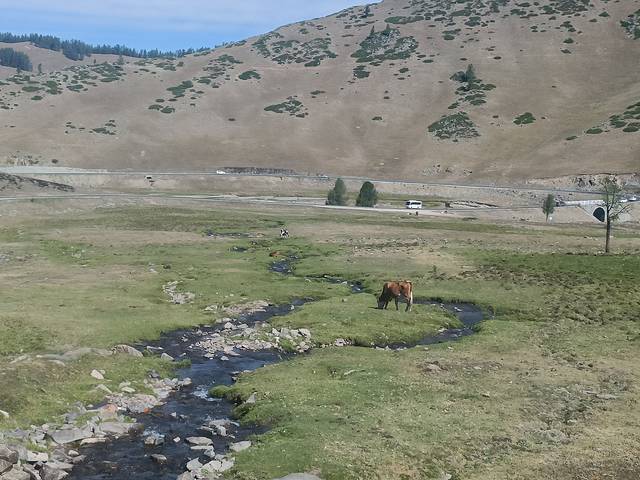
pixel 524 119
pixel 338 194
pixel 368 196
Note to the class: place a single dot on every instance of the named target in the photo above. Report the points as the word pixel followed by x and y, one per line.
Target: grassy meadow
pixel 547 388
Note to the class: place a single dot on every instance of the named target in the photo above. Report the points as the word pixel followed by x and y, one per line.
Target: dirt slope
pixel 361 92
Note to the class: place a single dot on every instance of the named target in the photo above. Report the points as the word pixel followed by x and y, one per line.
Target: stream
pixel 190 408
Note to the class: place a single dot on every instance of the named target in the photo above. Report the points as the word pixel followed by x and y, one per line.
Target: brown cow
pixel 396 291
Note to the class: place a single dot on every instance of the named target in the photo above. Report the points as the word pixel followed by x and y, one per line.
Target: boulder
pixel 217 466
pixel 8 454
pixel 50 473
pixel 64 466
pixel 194 465
pixel 167 357
pixel 127 350
pixel 35 457
pixel 240 446
pixel 32 472
pixel 70 435
pixel 154 440
pixel 15 474
pixel 97 375
pixel 5 466
pixel 212 467
pixel 159 459
pixel 138 403
pixel 119 428
pixel 93 441
pixel 108 412
pixel 199 441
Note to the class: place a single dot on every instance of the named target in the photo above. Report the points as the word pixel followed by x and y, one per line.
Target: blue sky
pixel 164 24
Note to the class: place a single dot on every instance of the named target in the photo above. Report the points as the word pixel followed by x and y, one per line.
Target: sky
pixel 163 24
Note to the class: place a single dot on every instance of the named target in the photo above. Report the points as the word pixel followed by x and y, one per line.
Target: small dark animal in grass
pixel 396 291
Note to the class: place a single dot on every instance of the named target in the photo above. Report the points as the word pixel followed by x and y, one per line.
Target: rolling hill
pixel 475 91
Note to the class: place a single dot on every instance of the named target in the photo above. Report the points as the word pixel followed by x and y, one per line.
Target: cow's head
pixel 380 303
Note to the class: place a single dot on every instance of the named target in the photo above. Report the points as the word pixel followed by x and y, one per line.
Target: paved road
pixel 282 201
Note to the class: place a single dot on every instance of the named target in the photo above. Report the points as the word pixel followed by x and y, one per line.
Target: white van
pixel 413 205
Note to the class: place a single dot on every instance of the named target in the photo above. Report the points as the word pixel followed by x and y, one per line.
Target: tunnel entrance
pixel 600 214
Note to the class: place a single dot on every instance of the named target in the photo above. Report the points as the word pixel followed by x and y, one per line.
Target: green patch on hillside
pixel 388 44
pixel 292 106
pixel 361 72
pixel 524 119
pixel 248 75
pixel 109 128
pixel 627 121
pixel 283 52
pixel 454 127
pixel 404 20
pixel 179 90
pixel 473 89
pixel 632 25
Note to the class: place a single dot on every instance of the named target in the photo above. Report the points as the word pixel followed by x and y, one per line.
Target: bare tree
pixel 614 206
pixel 549 205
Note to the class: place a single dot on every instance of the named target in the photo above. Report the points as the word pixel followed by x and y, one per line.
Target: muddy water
pixel 190 408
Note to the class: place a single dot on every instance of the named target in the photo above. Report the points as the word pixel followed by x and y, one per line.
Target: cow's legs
pixel 397 308
pixel 409 303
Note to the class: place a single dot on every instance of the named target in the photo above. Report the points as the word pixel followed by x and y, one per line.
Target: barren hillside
pixel 384 91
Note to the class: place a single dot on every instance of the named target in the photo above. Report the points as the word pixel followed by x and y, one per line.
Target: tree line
pixel 11 58
pixel 368 196
pixel 78 50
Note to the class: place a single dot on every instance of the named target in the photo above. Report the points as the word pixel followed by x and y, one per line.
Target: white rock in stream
pixel 240 446
pixel 199 441
pixel 194 465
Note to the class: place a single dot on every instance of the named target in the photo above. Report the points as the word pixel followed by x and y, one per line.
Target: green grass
pixel 356 319
pixel 385 416
pixel 502 404
pixel 37 392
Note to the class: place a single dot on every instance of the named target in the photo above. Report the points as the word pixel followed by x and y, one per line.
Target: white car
pixel 413 204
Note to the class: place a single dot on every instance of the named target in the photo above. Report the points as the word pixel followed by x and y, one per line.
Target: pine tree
pixel 338 194
pixel 368 196
pixel 549 205
pixel 470 74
